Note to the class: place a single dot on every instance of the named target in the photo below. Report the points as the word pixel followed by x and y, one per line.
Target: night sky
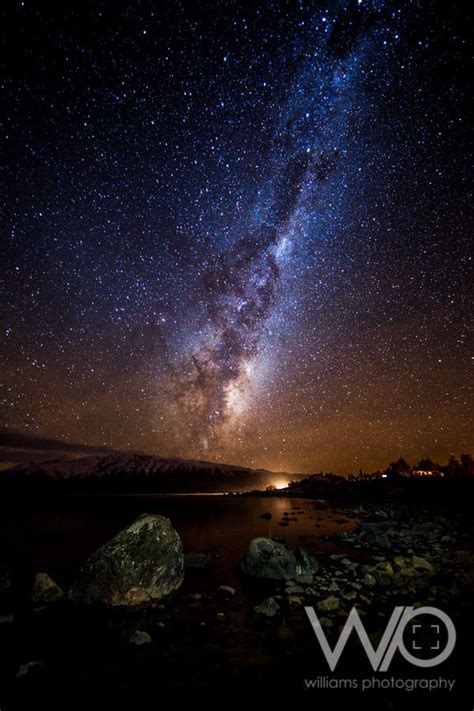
pixel 237 231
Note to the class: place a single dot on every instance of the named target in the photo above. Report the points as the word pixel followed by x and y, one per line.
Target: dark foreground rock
pixel 141 565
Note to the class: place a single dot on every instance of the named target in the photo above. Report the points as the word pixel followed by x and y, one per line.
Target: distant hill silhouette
pixel 139 472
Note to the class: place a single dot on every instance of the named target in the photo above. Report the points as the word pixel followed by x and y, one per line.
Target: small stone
pixel 45 589
pixel 25 669
pixel 398 562
pixel 305 579
pixel 139 637
pixel 6 619
pixel 421 565
pixel 220 617
pixel 268 608
pixel 295 600
pixel 293 589
pixel 39 609
pixel 369 580
pixel 225 591
pixel 326 622
pixel 383 572
pixel 329 604
pixel 266 515
pixel 196 560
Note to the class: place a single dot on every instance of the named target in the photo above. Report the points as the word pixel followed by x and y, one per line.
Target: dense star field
pixel 237 231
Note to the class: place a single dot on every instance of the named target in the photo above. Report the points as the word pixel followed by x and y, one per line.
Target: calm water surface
pixel 58 540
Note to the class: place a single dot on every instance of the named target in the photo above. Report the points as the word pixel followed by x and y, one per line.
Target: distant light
pixel 281 485
pixel 384 476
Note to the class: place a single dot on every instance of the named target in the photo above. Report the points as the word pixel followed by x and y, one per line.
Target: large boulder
pixel 142 564
pixel 268 559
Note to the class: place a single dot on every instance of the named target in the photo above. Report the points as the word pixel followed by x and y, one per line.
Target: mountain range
pixel 142 472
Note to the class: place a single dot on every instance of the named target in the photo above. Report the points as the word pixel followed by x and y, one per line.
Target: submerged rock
pixel 268 559
pixel 45 590
pixel 320 504
pixel 196 560
pixel 139 637
pixel 267 516
pixel 141 565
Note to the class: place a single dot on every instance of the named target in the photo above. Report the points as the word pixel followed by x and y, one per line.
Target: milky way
pixel 241 291
pixel 238 232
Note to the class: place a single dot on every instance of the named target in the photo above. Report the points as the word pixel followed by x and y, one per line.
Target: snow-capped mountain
pixel 142 471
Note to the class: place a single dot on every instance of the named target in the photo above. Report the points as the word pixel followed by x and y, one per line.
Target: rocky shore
pixel 128 599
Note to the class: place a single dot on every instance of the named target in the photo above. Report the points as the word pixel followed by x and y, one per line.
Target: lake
pixel 58 536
